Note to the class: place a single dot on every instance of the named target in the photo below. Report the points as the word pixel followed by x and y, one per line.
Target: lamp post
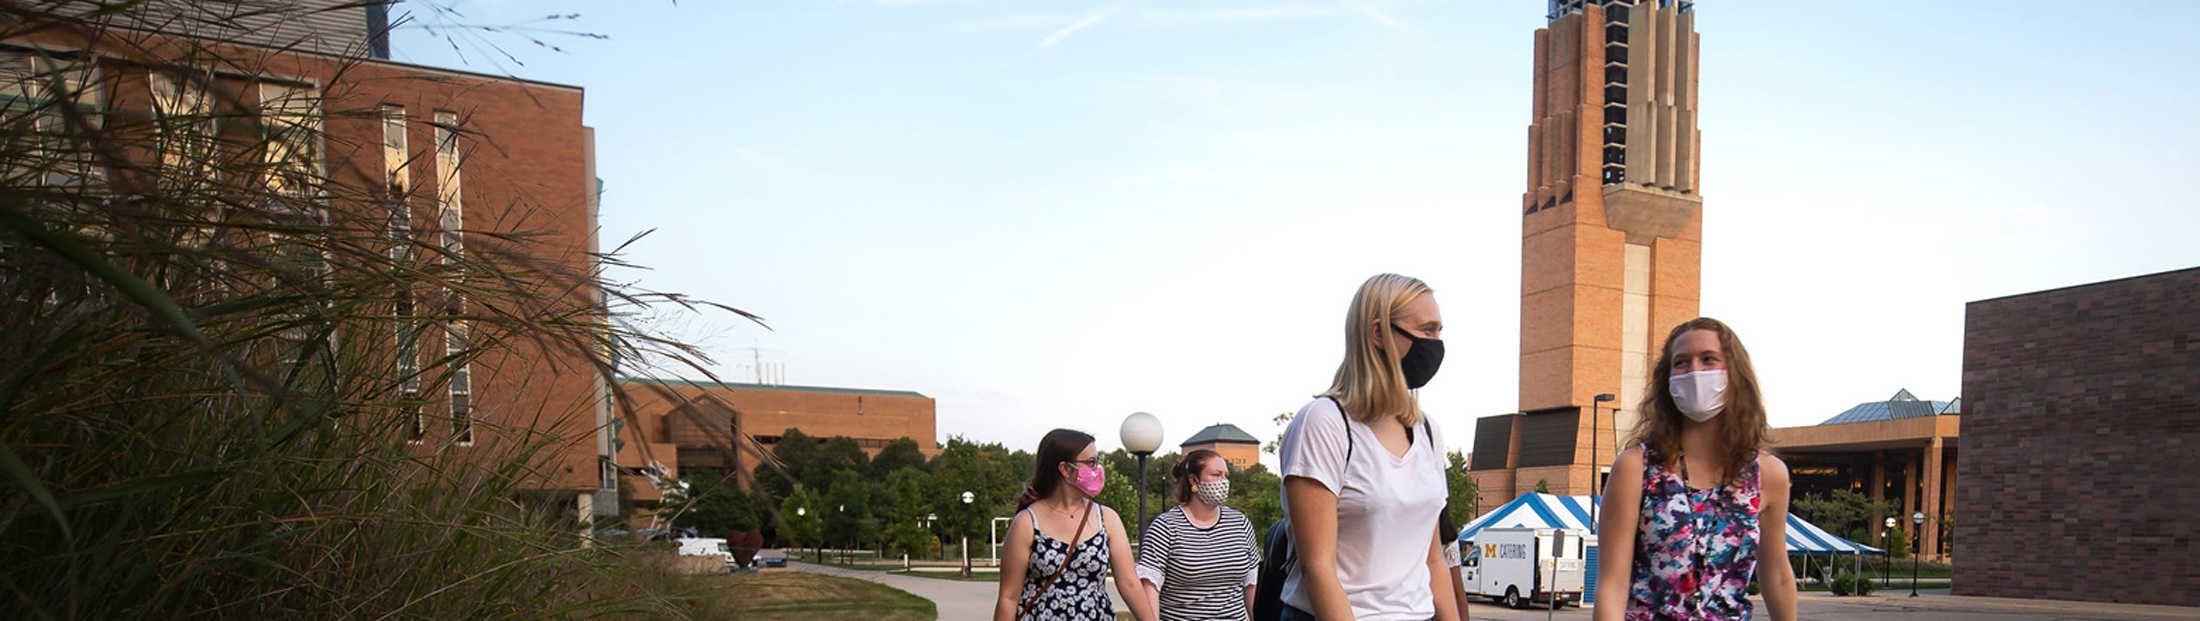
pixel 928 519
pixel 1919 520
pixel 1889 563
pixel 1141 436
pixel 798 513
pixel 1596 461
pixel 967 498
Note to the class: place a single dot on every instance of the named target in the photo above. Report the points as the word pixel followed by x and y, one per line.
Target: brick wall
pixel 872 418
pixel 523 175
pixel 2082 417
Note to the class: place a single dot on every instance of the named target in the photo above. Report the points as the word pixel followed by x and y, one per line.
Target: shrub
pixel 1843 584
pixel 210 409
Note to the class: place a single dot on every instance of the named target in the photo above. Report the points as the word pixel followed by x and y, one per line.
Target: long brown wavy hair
pixel 1741 429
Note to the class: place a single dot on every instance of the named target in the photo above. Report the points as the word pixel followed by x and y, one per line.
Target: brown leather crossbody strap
pixel 1075 542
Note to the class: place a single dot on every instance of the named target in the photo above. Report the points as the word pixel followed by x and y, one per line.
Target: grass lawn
pixel 792 596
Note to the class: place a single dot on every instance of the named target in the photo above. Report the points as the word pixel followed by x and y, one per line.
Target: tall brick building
pixel 1611 236
pixel 2083 408
pixel 688 425
pixel 312 79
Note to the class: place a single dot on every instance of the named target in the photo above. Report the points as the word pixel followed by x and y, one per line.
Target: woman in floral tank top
pixel 1696 507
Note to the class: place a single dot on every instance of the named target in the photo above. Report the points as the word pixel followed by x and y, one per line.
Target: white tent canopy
pixel 1537 510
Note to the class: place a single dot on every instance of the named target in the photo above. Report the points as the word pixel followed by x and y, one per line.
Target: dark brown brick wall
pixel 2081 421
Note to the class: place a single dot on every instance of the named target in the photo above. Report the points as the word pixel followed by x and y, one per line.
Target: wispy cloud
pixel 1031 21
pixel 1376 14
pixel 1234 14
pixel 1086 22
pixel 1061 26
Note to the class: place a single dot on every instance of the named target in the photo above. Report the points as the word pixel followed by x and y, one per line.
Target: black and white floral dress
pixel 1081 594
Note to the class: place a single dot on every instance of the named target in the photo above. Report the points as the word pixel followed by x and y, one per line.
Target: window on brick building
pixel 450 227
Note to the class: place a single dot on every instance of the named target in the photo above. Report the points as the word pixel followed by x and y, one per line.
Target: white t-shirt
pixel 1386 510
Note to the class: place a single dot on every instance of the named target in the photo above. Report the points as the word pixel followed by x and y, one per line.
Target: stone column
pixel 1931 536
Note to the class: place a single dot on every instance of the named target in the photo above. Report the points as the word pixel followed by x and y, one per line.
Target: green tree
pixel 898 453
pixel 1844 512
pixel 709 506
pixel 1542 486
pixel 835 454
pixel 1122 496
pixel 847 505
pixel 1898 543
pixel 904 495
pixel 1459 489
pixel 1282 421
pixel 980 469
pixel 911 539
pixel 1257 493
pixel 805 525
pixel 799 453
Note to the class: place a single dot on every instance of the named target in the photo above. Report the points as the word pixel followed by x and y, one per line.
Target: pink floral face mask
pixel 1090 480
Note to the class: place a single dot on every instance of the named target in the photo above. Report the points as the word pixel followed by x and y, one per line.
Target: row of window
pixel 1615 94
pixel 187 131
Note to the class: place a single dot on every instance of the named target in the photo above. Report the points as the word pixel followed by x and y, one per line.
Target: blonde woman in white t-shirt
pixel 1363 470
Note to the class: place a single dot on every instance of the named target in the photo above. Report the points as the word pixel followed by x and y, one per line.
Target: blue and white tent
pixel 1536 510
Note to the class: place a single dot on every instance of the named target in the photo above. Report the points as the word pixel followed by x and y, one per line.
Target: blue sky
pixel 1057 213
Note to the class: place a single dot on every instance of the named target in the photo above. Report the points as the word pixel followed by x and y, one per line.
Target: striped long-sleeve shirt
pixel 1201 572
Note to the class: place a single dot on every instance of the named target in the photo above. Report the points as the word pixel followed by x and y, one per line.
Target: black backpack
pixel 1276 556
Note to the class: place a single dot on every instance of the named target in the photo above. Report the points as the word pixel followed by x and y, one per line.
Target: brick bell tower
pixel 1611 237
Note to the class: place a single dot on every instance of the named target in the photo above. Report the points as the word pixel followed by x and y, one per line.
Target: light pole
pixel 967 498
pixel 1889 562
pixel 798 513
pixel 928 519
pixel 993 538
pixel 1596 462
pixel 1919 520
pixel 1141 436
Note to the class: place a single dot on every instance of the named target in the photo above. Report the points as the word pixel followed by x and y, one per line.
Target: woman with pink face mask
pixel 1061 545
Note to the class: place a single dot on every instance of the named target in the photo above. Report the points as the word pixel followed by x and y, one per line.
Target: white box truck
pixel 1525 566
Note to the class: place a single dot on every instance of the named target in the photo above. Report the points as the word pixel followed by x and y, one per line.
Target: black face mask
pixel 1421 359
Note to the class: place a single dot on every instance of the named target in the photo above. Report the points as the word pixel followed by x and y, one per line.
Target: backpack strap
pixel 1347 427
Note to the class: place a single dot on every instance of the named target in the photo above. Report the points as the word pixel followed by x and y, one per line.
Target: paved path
pixel 956 599
pixel 1931 604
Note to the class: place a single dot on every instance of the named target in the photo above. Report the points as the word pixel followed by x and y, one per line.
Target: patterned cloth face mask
pixel 1213 492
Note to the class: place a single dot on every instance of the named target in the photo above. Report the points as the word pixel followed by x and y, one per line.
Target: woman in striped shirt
pixel 1199 558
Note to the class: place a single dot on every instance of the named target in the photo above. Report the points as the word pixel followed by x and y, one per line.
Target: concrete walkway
pixel 956 599
pixel 1935 605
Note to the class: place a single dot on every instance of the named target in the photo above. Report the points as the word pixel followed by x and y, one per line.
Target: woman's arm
pixel 1015 560
pixel 1126 569
pixel 1439 581
pixel 1458 592
pixel 1619 513
pixel 1314 543
pixel 1775 578
pixel 1153 561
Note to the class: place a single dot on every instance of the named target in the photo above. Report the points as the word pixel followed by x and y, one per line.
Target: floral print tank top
pixel 1695 550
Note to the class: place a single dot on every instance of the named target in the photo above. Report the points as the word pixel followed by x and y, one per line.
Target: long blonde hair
pixel 1369 383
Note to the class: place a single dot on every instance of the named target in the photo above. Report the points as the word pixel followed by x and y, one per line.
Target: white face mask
pixel 1213 492
pixel 1699 395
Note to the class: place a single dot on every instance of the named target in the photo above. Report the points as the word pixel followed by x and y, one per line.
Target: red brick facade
pixel 525 172
pixel 762 411
pixel 2082 417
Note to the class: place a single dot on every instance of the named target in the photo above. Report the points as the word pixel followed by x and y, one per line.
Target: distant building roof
pixel 1220 433
pixel 786 387
pixel 1901 405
